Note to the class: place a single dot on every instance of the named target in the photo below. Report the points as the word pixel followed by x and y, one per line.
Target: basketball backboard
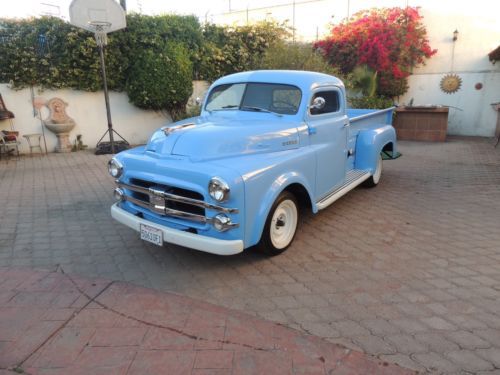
pixel 88 13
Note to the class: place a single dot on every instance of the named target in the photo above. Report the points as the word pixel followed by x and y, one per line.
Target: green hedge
pixel 154 59
pixel 371 102
pixel 68 59
pixel 296 56
pixel 229 49
pixel 161 78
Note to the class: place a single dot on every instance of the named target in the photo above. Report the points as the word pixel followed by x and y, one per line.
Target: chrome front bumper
pixel 179 237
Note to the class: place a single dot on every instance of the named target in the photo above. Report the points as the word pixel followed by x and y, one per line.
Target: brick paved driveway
pixel 408 271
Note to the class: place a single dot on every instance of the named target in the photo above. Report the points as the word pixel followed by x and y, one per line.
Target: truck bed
pixel 363 118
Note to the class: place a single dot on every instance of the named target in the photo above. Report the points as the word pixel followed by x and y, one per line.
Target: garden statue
pixel 59 123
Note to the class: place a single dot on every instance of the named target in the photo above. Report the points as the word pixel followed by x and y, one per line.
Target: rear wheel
pixel 375 178
pixel 281 225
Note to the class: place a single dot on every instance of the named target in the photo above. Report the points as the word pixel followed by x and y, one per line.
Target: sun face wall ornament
pixel 450 83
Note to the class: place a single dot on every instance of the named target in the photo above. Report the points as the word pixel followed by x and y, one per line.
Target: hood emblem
pixel 170 129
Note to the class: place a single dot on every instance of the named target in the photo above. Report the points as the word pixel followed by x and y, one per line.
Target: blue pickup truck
pixel 266 145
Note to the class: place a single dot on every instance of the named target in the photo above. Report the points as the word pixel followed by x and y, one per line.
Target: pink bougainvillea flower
pixel 391 41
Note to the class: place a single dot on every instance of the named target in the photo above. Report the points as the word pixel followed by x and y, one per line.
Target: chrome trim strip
pixel 138 189
pixel 168 211
pixel 170 129
pixel 177 198
pixel 231 225
pixel 353 178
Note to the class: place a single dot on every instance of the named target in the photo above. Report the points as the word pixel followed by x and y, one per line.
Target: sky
pixel 208 8
pixel 26 8
pixel 313 17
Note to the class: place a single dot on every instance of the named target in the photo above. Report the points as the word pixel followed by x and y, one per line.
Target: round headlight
pixel 218 189
pixel 115 168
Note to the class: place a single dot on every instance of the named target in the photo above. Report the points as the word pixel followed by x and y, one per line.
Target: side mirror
pixel 198 100
pixel 318 103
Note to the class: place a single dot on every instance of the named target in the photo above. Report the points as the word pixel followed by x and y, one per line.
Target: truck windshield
pixel 256 97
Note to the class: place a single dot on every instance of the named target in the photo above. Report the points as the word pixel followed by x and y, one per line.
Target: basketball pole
pixel 101 17
pixel 106 94
pixel 101 41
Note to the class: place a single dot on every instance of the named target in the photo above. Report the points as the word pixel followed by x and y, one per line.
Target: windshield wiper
pixel 222 108
pixel 259 109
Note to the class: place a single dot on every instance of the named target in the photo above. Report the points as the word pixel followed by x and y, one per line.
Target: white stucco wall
pixel 473 114
pixel 479 33
pixel 199 91
pixel 89 112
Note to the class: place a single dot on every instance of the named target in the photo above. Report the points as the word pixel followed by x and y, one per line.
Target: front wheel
pixel 375 178
pixel 281 225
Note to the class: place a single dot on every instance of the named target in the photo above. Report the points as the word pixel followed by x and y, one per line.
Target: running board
pixel 352 179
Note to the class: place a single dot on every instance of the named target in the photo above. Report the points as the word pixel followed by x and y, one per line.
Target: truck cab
pixel 266 145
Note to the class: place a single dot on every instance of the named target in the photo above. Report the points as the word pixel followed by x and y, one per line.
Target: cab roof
pixel 303 79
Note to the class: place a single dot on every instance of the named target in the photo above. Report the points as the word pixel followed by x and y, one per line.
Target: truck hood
pixel 216 137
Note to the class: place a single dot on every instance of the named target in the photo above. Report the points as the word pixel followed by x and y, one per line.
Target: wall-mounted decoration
pixel 450 83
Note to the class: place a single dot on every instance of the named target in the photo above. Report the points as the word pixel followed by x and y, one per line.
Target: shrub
pixel 296 56
pixel 156 74
pixel 391 41
pixel 151 32
pixel 161 79
pixel 370 102
pixel 231 49
pixel 191 111
pixel 364 80
pixel 51 53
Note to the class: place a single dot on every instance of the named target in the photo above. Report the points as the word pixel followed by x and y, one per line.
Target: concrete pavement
pixel 408 271
pixel 52 323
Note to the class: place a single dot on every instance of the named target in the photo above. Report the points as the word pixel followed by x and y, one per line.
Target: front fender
pixel 254 231
pixel 369 145
pixel 267 179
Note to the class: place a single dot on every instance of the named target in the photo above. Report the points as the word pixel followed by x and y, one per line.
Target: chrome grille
pixel 170 201
pixel 155 196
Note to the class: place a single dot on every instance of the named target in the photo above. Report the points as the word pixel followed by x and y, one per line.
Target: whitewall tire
pixel 281 225
pixel 377 174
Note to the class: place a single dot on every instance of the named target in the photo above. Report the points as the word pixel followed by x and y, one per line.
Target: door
pixel 328 128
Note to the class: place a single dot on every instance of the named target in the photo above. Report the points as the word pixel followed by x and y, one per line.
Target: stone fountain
pixel 59 123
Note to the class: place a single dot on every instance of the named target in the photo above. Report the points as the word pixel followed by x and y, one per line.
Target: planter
pixel 428 123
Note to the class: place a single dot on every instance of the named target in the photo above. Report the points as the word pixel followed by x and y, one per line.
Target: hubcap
pixel 280 222
pixel 283 224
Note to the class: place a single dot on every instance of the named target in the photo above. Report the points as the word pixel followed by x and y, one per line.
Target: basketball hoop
pixel 100 31
pixel 100 17
pixel 87 14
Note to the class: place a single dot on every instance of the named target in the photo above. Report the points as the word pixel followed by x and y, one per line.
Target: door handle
pixel 346 125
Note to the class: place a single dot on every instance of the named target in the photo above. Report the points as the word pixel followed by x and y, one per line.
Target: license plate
pixel 150 234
